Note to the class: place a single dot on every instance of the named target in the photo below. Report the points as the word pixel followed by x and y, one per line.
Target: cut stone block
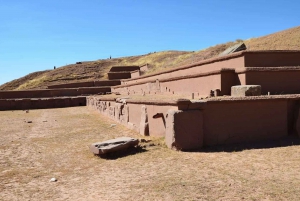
pixel 144 125
pixel 184 129
pixel 233 49
pixel 114 145
pixel 246 90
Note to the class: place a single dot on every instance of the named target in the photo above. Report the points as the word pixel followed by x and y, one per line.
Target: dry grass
pixel 33 153
pixel 284 40
pixel 158 61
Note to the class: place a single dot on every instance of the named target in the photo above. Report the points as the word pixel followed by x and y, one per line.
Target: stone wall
pixel 276 58
pixel 135 74
pixel 134 115
pixel 41 103
pixel 279 80
pixel 228 122
pixel 211 122
pixel 44 93
pixel 86 84
pixel 200 84
pixel 124 68
pixel 118 75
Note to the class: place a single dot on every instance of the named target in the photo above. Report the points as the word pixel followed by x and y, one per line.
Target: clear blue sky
pixel 39 34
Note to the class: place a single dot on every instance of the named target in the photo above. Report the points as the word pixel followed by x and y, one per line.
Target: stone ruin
pixel 63 95
pixel 246 96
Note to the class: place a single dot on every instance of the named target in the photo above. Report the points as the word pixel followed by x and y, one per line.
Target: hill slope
pixel 159 61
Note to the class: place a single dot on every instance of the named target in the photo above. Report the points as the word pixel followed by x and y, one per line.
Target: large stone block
pixel 184 129
pixel 246 90
pixel 114 145
pixel 144 125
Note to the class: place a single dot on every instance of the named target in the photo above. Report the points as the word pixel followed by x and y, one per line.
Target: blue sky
pixel 37 35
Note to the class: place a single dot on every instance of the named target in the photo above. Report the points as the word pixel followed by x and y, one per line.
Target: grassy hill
pixel 158 61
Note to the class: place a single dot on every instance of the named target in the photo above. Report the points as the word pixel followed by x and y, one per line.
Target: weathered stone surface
pixel 246 90
pixel 117 111
pixel 144 125
pixel 114 145
pixel 184 129
pixel 233 49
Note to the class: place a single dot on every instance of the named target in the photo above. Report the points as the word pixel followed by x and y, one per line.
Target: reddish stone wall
pixel 130 114
pixel 118 75
pixel 222 120
pixel 144 68
pixel 236 61
pixel 184 130
pixel 86 84
pixel 228 79
pixel 135 74
pixel 201 67
pixel 244 121
pixel 107 83
pixel 242 78
pixel 272 58
pixel 52 92
pixel 201 86
pixel 199 83
pixel 273 80
pixel 72 85
pixel 42 103
pixel 124 68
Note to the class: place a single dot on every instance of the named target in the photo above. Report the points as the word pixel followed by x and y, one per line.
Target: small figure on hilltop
pixel 54 67
pixel 109 57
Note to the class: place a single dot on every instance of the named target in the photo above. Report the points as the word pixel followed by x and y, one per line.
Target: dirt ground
pixel 56 143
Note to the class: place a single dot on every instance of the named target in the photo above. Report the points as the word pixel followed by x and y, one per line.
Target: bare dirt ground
pixel 56 143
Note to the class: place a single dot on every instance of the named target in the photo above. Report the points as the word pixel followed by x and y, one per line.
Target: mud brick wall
pixel 41 103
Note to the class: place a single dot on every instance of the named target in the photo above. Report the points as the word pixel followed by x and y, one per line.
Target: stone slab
pixel 233 49
pixel 122 143
pixel 246 90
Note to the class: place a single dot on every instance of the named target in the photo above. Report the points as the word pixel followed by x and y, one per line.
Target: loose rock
pixel 53 180
pixel 112 125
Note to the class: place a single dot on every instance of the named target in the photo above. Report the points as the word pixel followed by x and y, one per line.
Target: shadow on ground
pixel 284 142
pixel 123 153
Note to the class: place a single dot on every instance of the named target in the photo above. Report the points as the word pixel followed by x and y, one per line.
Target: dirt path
pixel 56 143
